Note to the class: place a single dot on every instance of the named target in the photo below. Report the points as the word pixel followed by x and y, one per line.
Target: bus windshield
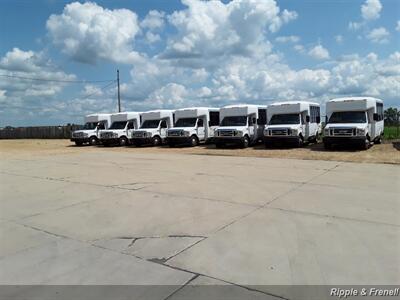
pixel 150 124
pixel 186 122
pixel 348 117
pixel 285 119
pixel 90 126
pixel 118 125
pixel 234 121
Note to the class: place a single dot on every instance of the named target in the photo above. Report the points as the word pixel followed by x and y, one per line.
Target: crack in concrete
pixel 181 287
pixel 274 199
pixel 183 250
pixel 332 216
pixel 157 261
pixel 225 281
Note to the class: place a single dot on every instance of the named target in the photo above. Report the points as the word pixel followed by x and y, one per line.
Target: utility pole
pixel 119 96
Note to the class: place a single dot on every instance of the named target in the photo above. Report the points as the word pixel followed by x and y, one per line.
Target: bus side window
pixel 163 124
pixel 130 125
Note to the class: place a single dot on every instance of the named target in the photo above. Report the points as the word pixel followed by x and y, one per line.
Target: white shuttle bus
pixel 122 125
pixel 193 125
pixel 153 129
pixel 353 120
pixel 90 132
pixel 293 122
pixel 241 125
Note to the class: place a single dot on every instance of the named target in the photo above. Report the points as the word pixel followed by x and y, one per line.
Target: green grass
pixel 392 132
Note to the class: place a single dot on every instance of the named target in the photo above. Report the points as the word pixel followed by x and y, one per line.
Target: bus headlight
pixel 295 132
pixel 238 133
pixel 326 131
pixel 186 133
pixel 361 131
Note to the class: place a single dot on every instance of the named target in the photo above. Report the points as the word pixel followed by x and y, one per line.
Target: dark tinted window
pixel 118 125
pixel 348 117
pixel 379 111
pixel 163 124
pixel 186 122
pixel 131 125
pixel 234 121
pixel 262 116
pixel 285 119
pixel 214 118
pixel 314 113
pixel 200 123
pixel 150 124
pixel 90 126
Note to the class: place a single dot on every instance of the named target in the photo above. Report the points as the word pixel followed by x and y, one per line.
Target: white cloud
pixel 172 94
pixel 214 29
pixel 398 26
pixel 288 39
pixel 378 35
pixel 153 20
pixel 371 9
pixel 354 26
pixel 152 37
pixel 216 54
pixel 339 39
pixel 319 52
pixel 88 32
pixel 30 64
pixel 299 48
pixel 23 96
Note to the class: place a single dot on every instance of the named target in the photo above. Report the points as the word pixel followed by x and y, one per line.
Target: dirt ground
pixel 388 152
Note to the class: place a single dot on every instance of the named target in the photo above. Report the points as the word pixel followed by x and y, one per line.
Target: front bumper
pixel 281 139
pixel 109 141
pixel 141 141
pixel 352 140
pixel 82 140
pixel 229 140
pixel 179 140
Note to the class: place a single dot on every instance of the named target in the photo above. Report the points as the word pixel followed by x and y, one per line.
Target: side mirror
pixel 209 123
pixel 318 119
pixel 376 117
pixel 308 119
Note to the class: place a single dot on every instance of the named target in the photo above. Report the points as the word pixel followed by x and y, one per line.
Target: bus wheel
pixel 246 142
pixel 123 141
pixel 93 141
pixel 365 144
pixel 156 141
pixel 194 141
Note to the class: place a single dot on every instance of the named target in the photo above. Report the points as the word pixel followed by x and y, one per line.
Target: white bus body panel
pixel 147 134
pixel 113 135
pixel 202 133
pixel 307 130
pixel 373 128
pixel 254 132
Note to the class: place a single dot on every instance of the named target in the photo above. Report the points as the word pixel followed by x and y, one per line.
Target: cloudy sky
pixel 58 59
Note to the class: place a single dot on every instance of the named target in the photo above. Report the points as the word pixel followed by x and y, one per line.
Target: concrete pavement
pixel 182 220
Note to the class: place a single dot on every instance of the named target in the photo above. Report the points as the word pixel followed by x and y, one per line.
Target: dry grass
pixel 384 153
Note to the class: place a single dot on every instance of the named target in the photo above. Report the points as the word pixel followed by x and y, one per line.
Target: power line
pixel 102 88
pixel 55 80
